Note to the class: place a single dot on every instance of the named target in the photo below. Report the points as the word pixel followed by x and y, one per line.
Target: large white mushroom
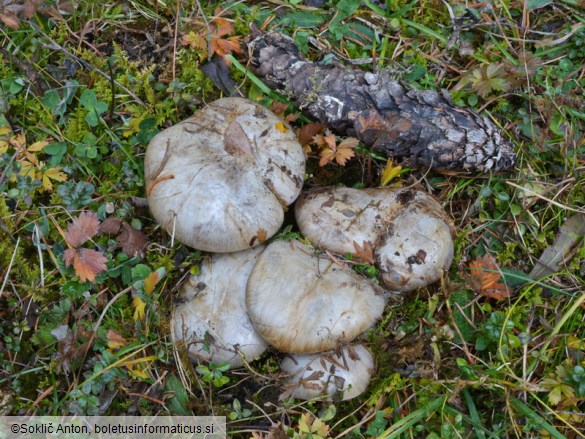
pixel 339 375
pixel 408 231
pixel 219 180
pixel 211 318
pixel 301 302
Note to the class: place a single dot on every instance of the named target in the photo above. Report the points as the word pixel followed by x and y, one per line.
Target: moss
pixel 24 272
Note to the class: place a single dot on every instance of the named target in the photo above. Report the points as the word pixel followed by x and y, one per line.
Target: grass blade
pixel 524 410
pixel 410 420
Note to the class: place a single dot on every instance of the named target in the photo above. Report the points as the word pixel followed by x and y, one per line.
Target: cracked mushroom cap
pixel 212 317
pixel 339 375
pixel 218 181
pixel 304 303
pixel 408 231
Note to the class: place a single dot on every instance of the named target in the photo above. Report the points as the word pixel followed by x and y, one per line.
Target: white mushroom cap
pixel 212 317
pixel 299 302
pixel 219 180
pixel 408 230
pixel 337 376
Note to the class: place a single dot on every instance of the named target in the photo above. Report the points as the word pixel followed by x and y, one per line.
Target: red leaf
pixel 83 228
pixel 86 263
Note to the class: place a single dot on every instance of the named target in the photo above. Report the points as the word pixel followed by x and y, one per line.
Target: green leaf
pixel 178 404
pixel 378 425
pixel 537 4
pixel 302 19
pixel 57 151
pixel 140 272
pixel 88 99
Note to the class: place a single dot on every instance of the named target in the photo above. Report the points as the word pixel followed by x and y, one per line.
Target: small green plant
pixel 75 195
pixel 214 373
pixel 238 412
pixel 95 108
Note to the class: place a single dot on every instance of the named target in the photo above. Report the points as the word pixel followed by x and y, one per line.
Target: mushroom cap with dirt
pixel 409 233
pixel 339 375
pixel 302 302
pixel 211 317
pixel 219 181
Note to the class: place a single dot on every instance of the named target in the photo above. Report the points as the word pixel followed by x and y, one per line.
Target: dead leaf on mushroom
pixel 485 274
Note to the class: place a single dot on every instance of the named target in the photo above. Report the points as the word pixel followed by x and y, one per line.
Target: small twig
pixel 208 30
pixel 9 266
pixel 176 33
pixel 113 89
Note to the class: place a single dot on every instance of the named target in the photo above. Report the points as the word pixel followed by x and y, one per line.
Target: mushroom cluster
pixel 219 182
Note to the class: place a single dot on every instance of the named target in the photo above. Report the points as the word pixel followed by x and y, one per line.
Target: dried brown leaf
pixel 365 253
pixel 111 226
pixel 132 241
pixel 82 228
pixel 10 20
pixel 278 108
pixel 486 276
pixel 307 132
pixel 86 263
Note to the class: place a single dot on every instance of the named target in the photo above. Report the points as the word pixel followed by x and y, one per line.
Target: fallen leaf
pixel 86 263
pixel 340 153
pixel 390 172
pixel 111 226
pixel 278 108
pixel 307 132
pixel 485 274
pixel 365 253
pixel 30 7
pixel 65 348
pixel 131 240
pixel 10 20
pixel 82 228
pixel 150 282
pixel 115 340
pixel 216 33
pixel 139 308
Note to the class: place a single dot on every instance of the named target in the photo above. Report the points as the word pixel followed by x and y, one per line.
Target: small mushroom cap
pixel 408 230
pixel 213 311
pixel 338 376
pixel 300 302
pixel 218 181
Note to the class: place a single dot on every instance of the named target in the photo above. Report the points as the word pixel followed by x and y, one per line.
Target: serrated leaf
pixel 82 228
pixel 86 263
